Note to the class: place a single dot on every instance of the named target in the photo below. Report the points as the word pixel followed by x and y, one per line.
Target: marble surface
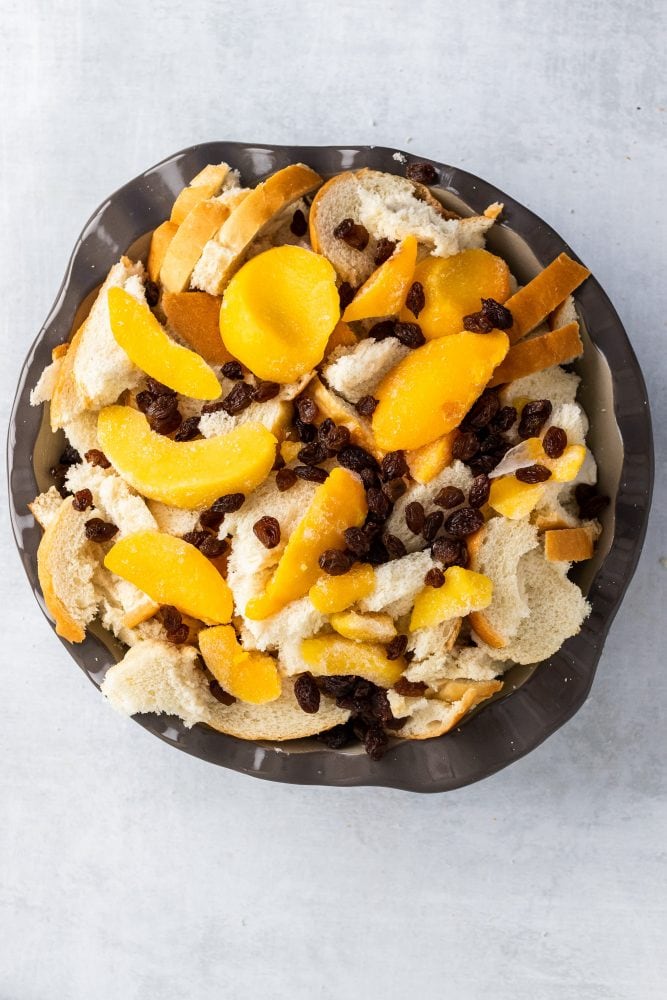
pixel 129 870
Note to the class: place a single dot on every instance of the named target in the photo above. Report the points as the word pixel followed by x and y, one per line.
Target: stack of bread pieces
pixel 324 471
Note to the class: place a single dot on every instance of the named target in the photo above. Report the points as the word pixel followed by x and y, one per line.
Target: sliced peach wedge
pixel 462 592
pixel 430 391
pixel 336 593
pixel 278 312
pixel 339 503
pixel 335 655
pixel 454 287
pixel 385 291
pixel 171 571
pixel 189 474
pixel 145 342
pixel 249 676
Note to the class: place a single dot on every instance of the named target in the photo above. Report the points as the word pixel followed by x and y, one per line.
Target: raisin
pixel 166 423
pixel 533 417
pixel 188 430
pixel 394 489
pixel 337 737
pixel 311 473
pixel 415 517
pixel 357 541
pixel 382 330
pixel 432 525
pixel 233 371
pixel 171 617
pixel 482 412
pixel 477 323
pixel 554 442
pixel 229 503
pixel 334 438
pixel 152 293
pixel 355 458
pixel 264 391
pixel 394 546
pixel 435 578
pixel 238 399
pixel 213 547
pixel 449 497
pixel 82 500
pixel 159 388
pixel 416 300
pixel 179 635
pixel 422 173
pixel 307 693
pixel 338 686
pixel 450 552
pixel 211 518
pixel 278 462
pixel 220 694
pixel 484 464
pixel 479 491
pixel 397 647
pixel 464 521
pixel 365 407
pixel 590 502
pixel 98 530
pixel 267 529
pixel 465 446
pixel 383 250
pixel 377 554
pixel 378 502
pixel 196 538
pixel 305 432
pixel 409 334
pixel 352 233
pixel 375 742
pixel 216 407
pixel 306 408
pixel 285 479
pixel 298 225
pixel 70 456
pixel 345 294
pixel 533 474
pixel 393 465
pixel 410 689
pixel 494 443
pixel 97 457
pixel 335 562
pixel 504 418
pixel 144 399
pixel 498 315
pixel 370 479
pixel 313 453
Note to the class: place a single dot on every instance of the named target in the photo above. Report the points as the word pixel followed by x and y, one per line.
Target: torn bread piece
pixel 397 584
pixel 430 717
pixel 66 562
pixel 570 544
pixel 225 253
pixel 359 371
pixel 45 506
pixel 212 180
pixel 457 474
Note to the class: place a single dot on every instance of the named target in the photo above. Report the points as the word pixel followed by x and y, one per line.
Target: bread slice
pixel 66 562
pixel 554 384
pixel 556 610
pixel 553 348
pixel 532 304
pixel 389 207
pixel 457 474
pixel 341 412
pixel 274 414
pixel 160 240
pixel 46 383
pixel 194 319
pixel 45 507
pixel 81 432
pixel 431 717
pixel 397 584
pixel 173 520
pixel 358 372
pixel 496 550
pixel 460 661
pixel 157 677
pixel 95 370
pixel 187 245
pixel 223 255
pixel 208 182
pixel 570 544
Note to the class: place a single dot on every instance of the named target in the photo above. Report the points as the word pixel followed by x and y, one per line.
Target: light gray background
pixel 129 870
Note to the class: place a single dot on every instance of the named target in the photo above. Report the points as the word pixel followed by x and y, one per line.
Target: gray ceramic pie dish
pixel 539 699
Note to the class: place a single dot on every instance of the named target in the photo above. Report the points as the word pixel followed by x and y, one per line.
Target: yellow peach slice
pixel 188 474
pixel 385 291
pixel 514 499
pixel 339 503
pixel 143 339
pixel 430 391
pixel 462 592
pixel 530 452
pixel 364 628
pixel 454 287
pixel 278 312
pixel 332 655
pixel 427 462
pixel 250 677
pixel 336 593
pixel 172 571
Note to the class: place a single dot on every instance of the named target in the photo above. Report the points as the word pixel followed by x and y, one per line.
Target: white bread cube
pixel 359 372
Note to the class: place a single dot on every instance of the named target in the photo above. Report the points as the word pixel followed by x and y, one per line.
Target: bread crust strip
pixel 533 303
pixel 553 348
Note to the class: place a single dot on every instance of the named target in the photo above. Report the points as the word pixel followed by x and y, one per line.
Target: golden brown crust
pixel 479 622
pixel 330 405
pixel 553 348
pixel 194 317
pixel 568 544
pixel 160 240
pixel 187 244
pixel 48 554
pixel 533 303
pixel 468 694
